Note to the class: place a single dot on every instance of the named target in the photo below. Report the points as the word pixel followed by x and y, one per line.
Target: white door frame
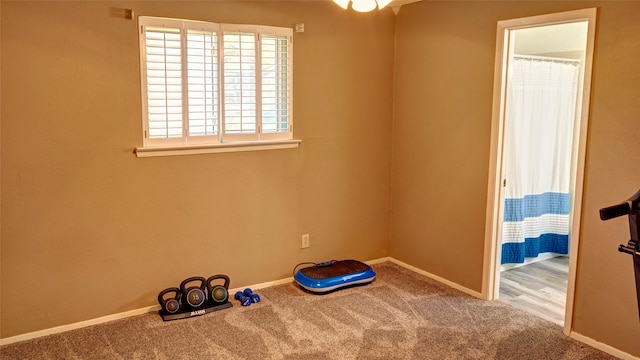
pixel 490 279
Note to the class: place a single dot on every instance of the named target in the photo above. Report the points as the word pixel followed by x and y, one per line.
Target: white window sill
pixel 152 151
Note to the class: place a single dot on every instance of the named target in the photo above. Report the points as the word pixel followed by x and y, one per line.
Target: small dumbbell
pixel 244 300
pixel 255 298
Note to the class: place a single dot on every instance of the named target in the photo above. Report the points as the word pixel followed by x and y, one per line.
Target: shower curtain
pixel 539 127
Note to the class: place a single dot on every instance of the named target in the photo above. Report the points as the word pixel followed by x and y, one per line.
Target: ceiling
pixel 396 4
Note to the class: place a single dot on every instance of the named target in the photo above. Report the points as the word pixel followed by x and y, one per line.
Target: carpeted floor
pixel 401 315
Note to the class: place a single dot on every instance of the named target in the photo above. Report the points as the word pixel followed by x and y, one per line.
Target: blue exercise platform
pixel 333 275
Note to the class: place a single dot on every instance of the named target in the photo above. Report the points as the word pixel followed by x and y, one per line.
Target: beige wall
pixel 444 78
pixel 90 230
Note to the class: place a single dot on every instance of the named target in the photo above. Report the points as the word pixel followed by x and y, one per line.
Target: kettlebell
pixel 194 296
pixel 172 305
pixel 218 294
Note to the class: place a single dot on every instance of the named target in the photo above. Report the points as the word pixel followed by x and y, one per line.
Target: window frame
pixel 223 140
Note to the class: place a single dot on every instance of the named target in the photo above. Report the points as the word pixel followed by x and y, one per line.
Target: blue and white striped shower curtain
pixel 541 105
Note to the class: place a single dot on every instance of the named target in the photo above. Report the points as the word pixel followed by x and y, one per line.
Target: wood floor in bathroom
pixel 539 288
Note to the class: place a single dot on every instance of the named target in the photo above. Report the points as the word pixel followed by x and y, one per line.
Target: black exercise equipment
pixel 218 293
pixel 631 208
pixel 195 296
pixel 172 305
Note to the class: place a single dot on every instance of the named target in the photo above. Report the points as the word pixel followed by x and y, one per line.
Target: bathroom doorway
pixel 541 96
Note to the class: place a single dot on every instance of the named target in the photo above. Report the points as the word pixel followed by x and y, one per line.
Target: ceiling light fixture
pixel 362 5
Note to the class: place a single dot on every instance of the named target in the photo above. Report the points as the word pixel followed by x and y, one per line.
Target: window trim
pixel 221 141
pixel 153 151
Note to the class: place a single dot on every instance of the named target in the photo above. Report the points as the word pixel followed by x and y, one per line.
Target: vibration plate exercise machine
pixel 631 208
pixel 325 277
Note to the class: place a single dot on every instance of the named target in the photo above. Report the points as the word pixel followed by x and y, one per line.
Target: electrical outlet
pixel 305 241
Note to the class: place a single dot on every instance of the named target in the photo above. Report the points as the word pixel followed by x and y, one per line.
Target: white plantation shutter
pixel 164 82
pixel 206 83
pixel 276 82
pixel 240 82
pixel 203 84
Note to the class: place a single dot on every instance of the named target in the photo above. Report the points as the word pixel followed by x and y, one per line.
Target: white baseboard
pixel 602 346
pixel 118 316
pixel 78 325
pixel 378 261
pixel 126 314
pixel 438 278
pixel 59 329
pixel 290 279
pixel 261 285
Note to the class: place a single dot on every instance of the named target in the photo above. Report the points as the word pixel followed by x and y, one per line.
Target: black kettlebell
pixel 170 306
pixel 194 296
pixel 218 294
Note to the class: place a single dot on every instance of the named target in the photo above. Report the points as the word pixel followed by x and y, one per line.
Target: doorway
pixel 537 154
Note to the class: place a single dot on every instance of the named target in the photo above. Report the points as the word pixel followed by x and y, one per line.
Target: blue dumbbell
pixel 244 300
pixel 254 297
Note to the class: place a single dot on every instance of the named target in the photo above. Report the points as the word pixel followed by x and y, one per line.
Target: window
pixel 208 85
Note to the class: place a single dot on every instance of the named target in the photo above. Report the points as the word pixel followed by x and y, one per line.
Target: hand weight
pixel 218 294
pixel 194 296
pixel 255 298
pixel 170 306
pixel 244 300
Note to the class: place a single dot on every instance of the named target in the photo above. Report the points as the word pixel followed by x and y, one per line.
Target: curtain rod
pixel 547 58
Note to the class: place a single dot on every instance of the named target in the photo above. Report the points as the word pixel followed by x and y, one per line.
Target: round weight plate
pixel 172 306
pixel 195 297
pixel 219 294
